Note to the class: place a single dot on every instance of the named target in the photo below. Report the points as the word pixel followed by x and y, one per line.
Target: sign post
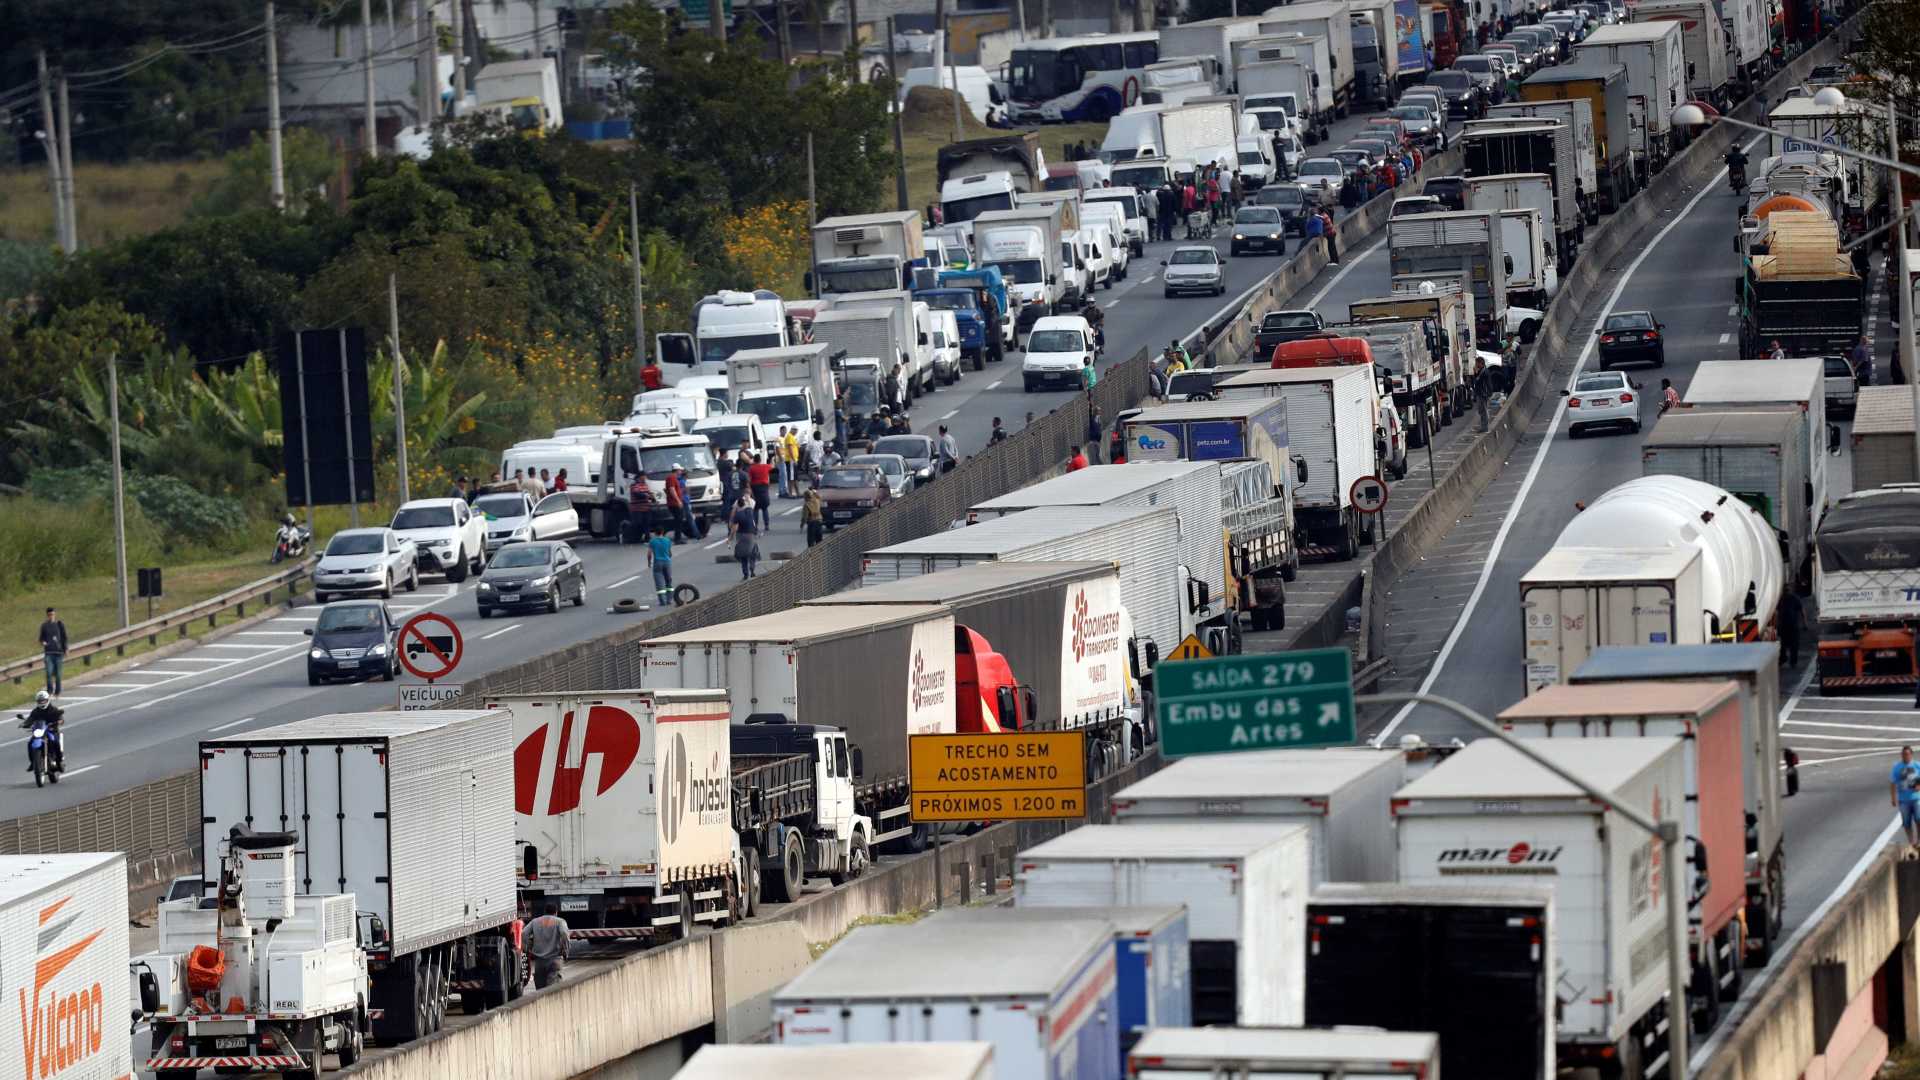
pixel 1369 496
pixel 1271 701
pixel 430 648
pixel 995 776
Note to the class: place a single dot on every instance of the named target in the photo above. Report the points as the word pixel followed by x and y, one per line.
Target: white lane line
pixel 1862 712
pixel 252 669
pixel 1881 752
pixel 81 769
pixel 1848 727
pixel 502 630
pixel 715 544
pixel 789 511
pixel 1347 266
pixel 622 581
pixel 294 618
pixel 1533 470
pixel 1148 278
pixel 238 645
pixel 69 699
pixel 1724 338
pixel 116 686
pixel 231 724
pixel 201 659
pixel 950 414
pixel 1733 309
pixel 1877 740
pixel 174 674
pixel 995 384
pixel 269 633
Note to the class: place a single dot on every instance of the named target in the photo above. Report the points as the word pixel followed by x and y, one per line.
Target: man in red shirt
pixel 1078 461
pixel 760 479
pixel 650 374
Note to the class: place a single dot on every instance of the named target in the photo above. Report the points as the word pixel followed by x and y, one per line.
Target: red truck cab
pixel 1327 350
pixel 990 699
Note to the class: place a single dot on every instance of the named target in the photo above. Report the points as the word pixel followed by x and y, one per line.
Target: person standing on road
pixel 998 434
pixel 760 483
pixel 1862 357
pixel 1169 201
pixel 1333 241
pixel 725 467
pixel 1088 376
pixel 676 506
pixel 660 558
pixel 545 940
pixel 949 450
pixel 53 649
pixel 1791 616
pixel 1095 429
pixel 1905 782
pixel 812 516
pixel 745 531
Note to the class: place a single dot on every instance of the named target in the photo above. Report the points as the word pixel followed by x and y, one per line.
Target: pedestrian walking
pixel 1790 618
pixel 660 558
pixel 760 481
pixel 1213 195
pixel 1905 782
pixel 812 516
pixel 53 649
pixel 545 940
pixel 679 480
pixel 1862 357
pixel 745 530
pixel 1095 429
pixel 1088 376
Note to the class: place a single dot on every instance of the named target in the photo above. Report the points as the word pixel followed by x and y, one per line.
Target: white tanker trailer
pixel 1702 567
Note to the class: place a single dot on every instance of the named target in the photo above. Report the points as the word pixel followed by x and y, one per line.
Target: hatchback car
pixel 892 466
pixel 1628 337
pixel 918 451
pixel 851 492
pixel 374 560
pixel 1259 228
pixel 1464 96
pixel 352 639
pixel 1291 200
pixel 1602 399
pixel 532 574
pixel 1194 269
pixel 1418 121
pixel 1324 178
pixel 513 516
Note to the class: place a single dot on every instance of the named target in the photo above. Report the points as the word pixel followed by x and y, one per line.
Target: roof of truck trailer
pixel 1563 564
pixel 923 1061
pixel 800 623
pixel 965 583
pixel 1280 1047
pixel 1629 33
pixel 354 727
pixel 1201 410
pixel 1126 920
pixel 1692 427
pixel 1615 663
pixel 24 875
pixel 1096 484
pixel 1489 768
pixel 1021 530
pixel 1264 376
pixel 935 960
pixel 1179 841
pixel 1280 773
pixel 1622 699
pixel 1883 410
pixel 1577 72
pixel 1463 894
pixel 1756 380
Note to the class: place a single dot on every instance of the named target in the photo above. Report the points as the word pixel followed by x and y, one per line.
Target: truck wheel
pixel 1349 537
pixel 782 881
pixel 750 888
pixel 856 860
pixel 1290 570
pixel 687 922
pixel 1417 434
pixel 1703 998
pixel 353 1040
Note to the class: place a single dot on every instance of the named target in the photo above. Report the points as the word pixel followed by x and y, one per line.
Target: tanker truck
pixel 1704 567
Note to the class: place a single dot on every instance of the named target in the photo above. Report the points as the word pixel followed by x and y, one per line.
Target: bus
pixel 1079 79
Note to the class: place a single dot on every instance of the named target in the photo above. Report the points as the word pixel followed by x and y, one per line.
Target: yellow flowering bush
pixel 769 244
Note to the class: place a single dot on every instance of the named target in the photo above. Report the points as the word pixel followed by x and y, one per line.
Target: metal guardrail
pixel 182 620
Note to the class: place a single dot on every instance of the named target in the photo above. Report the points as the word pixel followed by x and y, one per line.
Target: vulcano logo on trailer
pixel 611 734
pixel 689 790
pixel 62 1026
pixel 1521 858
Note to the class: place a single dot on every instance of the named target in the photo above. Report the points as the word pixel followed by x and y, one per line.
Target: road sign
pixel 998 776
pixel 1270 701
pixel 430 645
pixel 1368 494
pixel 427 695
pixel 1190 649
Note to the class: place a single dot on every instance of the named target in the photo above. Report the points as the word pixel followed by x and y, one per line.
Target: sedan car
pixel 1631 336
pixel 1058 350
pixel 512 516
pixel 1324 178
pixel 1464 96
pixel 918 451
pixel 448 536
pixel 1602 399
pixel 365 561
pixel 352 639
pixel 532 574
pixel 1291 200
pixel 851 492
pixel 892 466
pixel 1194 269
pixel 1419 122
pixel 1259 228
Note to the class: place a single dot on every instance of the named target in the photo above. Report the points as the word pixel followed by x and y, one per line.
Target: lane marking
pixel 252 670
pixel 81 769
pixel 502 630
pixel 1733 309
pixel 1347 266
pixel 1877 740
pixel 68 699
pixel 1889 748
pixel 789 511
pixel 1861 712
pixel 715 544
pixel 622 581
pixel 1724 338
pixel 235 645
pixel 269 633
pixel 950 414
pixel 232 724
pixel 995 384
pixel 1847 727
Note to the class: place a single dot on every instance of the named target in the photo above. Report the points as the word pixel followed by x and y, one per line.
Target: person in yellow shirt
pixel 789 461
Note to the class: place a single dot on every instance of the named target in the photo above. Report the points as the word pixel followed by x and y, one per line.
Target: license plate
pixel 573 905
pixel 348 663
pixel 1629 337
pixel 1602 401
pixel 230 1042
pixel 843 515
pixel 509 597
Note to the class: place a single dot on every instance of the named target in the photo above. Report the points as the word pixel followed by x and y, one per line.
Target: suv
pixel 449 537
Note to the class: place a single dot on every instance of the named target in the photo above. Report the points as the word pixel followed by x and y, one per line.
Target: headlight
pixel 524 532
pixel 541 582
pixel 378 650
pixel 1238 236
pixel 444 543
pixel 863 502
pixel 318 653
pixel 486 586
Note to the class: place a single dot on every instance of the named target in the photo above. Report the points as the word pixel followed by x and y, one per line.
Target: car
pixel 1194 268
pixel 1451 190
pixel 1509 56
pixel 1551 47
pixel 851 492
pixel 352 639
pixel 1279 327
pixel 1431 98
pixel 1523 322
pixel 1324 177
pixel 892 466
pixel 184 887
pixel 1259 228
pixel 1526 49
pixel 1357 158
pixel 1418 121
pixel 532 573
pixel 1057 349
pixel 1602 399
pixel 448 537
pixel 1842 385
pixel 1291 200
pixel 513 516
pixel 946 346
pixel 360 561
pixel 1193 384
pixel 1395 130
pixel 918 451
pixel 1416 204
pixel 1631 337
pixel 1464 96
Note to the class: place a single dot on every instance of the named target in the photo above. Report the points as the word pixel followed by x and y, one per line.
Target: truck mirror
pixel 1508 259
pixel 149 994
pixel 1029 705
pixel 1833 438
pixel 806 279
pixel 1007 708
pixel 1792 761
pixel 308 631
pixel 859 761
pixel 530 863
pixel 1300 469
pixel 1153 656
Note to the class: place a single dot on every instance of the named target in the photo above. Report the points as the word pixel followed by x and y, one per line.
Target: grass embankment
pixel 113 202
pixel 928 125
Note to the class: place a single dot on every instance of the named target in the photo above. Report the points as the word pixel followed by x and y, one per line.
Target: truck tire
pixel 353 1039
pixel 1703 997
pixel 396 993
pixel 1349 536
pixel 684 930
pixel 1417 434
pixel 750 888
pixel 783 879
pixel 857 859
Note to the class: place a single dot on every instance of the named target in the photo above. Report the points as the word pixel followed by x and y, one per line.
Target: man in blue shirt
pixel 660 557
pixel 1905 781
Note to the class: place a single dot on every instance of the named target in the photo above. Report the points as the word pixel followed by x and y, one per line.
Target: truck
pixel 782 386
pixel 1758 456
pixel 1376 52
pixel 979 175
pixel 1704 43
pixel 1394 428
pixel 1211 431
pixel 1490 816
pixel 880 674
pixel 1449 308
pixel 995 283
pixel 1175 81
pixel 1883 437
pixel 1656 64
pixel 916 345
pixel 68 973
pixel 1866 582
pixel 1467 950
pixel 1330 430
pixel 1750 36
pixel 1330 19
pixel 1025 246
pixel 1576 116
pixel 260 978
pixel 1706 717
pixel 865 252
pixel 1339 795
pixel 1135 133
pixel 762 818
pixel 1149 957
pixel 1794 383
pixel 926 1061
pixel 867 333
pixel 1209 38
pixel 1245 888
pixel 524 94
pixel 1044 646
pixel 431 871
pixel 1444 23
pixel 1047 1003
pixel 1410 42
pixel 978 341
pixel 723 324
pixel 1446 244
pixel 634 466
pixel 1415 367
pixel 1603 86
pixel 1530 146
pixel 1533 278
pixel 1702 567
pixel 1756 668
pixel 1804 294
pixel 1174 1053
pixel 1202 132
pixel 1292 86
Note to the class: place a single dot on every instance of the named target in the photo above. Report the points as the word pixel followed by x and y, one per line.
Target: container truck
pixel 1330 429
pixel 1135 133
pixel 1577 116
pixel 1287 71
pixel 923 1061
pixel 783 386
pixel 1803 293
pixel 1866 582
pixel 1656 65
pixel 1446 244
pixel 1178 80
pixel 881 674
pixel 1149 957
pixel 1211 431
pixel 1045 998
pixel 1393 429
pixel 1703 42
pixel 1756 668
pixel 1798 384
pixel 1209 38
pixel 1464 951
pixel 1758 456
pixel 1490 816
pixel 1603 86
pixel 866 252
pixel 1203 132
pixel 1199 1053
pixel 1750 37
pixel 978 175
pixel 995 284
pixel 1533 276
pixel 1449 308
pixel 1376 52
pixel 1339 795
pixel 1330 19
pixel 525 94
pixel 1883 437
pixel 1409 354
pixel 412 813
pixel 1245 888
pixel 1520 146
pixel 1706 717
pixel 864 334
pixel 1025 246
pixel 1410 39
pixel 68 973
pixel 916 344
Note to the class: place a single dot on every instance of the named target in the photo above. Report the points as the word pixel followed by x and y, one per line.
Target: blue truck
pixel 954 290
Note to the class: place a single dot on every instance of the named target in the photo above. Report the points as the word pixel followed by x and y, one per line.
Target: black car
pixel 1628 337
pixel 919 450
pixel 1464 98
pixel 1451 190
pixel 1292 202
pixel 532 575
pixel 352 639
pixel 1279 327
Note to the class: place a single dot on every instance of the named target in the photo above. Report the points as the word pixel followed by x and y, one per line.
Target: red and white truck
pixel 66 969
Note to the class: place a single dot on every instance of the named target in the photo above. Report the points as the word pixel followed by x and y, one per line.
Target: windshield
pixel 1056 341
pixel 1271 121
pixel 726 436
pixel 1251 157
pixel 1611 380
pixel 1039 75
pixel 1064 182
pixel 911 447
pixel 1474 63
pixel 423 517
pixel 715 350
pixel 1258 215
pixel 947 301
pixel 1144 177
pixel 777 408
pixel 1320 167
pixel 1292 320
pixel 1281 196
pixel 848 478
pixel 658 461
pixel 1124 202
pixel 858 279
pixel 356 544
pixel 958 210
pixel 1451 80
pixel 861 393
pixel 496 507
pixel 520 555
pixel 1415 113
pixel 892 466
pixel 1193 257
pixel 1191 382
pixel 1838 367
pixel 1629 320
pixel 338 617
pixel 1353 158
pixel 1021 272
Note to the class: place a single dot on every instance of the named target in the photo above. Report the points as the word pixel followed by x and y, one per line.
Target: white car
pixel 1194 268
pixel 512 516
pixel 451 539
pixel 1057 348
pixel 361 562
pixel 1324 177
pixel 1524 321
pixel 946 346
pixel 1602 399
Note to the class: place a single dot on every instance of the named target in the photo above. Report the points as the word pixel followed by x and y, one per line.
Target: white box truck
pixel 1576 599
pixel 916 345
pixel 1284 71
pixel 922 1061
pixel 865 333
pixel 866 252
pixel 1330 429
pixel 1577 114
pixel 412 812
pixel 1883 433
pixel 1489 816
pixel 1656 63
pixel 1794 383
pixel 1205 1053
pixel 1245 888
pixel 782 386
pixel 1504 192
pixel 1758 456
pixel 1025 246
pixel 1202 132
pixel 525 94
pixel 66 915
pixel 1212 38
pixel 1446 245
pixel 1703 41
pixel 1340 796
pixel 1330 19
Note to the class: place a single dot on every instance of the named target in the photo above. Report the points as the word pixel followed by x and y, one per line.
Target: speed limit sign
pixel 1368 494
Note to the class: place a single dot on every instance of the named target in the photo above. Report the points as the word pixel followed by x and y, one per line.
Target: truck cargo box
pixel 1576 599
pixel 1758 456
pixel 66 971
pixel 1297 1055
pixel 1883 437
pixel 1796 382
pixel 922 1061
pixel 1330 426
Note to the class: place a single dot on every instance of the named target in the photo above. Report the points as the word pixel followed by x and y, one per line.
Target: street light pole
pixel 1902 288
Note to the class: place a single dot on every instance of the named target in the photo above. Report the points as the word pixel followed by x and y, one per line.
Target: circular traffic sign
pixel 430 646
pixel 1368 494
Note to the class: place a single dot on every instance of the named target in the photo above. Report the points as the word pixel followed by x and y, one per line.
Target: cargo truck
pixel 1799 384
pixel 1706 717
pixel 1866 584
pixel 724 323
pixel 1290 80
pixel 1703 42
pixel 1329 19
pixel 1750 37
pixel 1447 245
pixel 1046 1001
pixel 1603 86
pixel 1377 51
pixel 865 252
pixel 1492 817
pixel 1211 430
pixel 1200 1053
pixel 1410 40
pixel 881 674
pixel 1202 132
pixel 1395 428
pixel 1577 116
pixel 1758 456
pixel 1804 294
pixel 1025 246
pixel 1756 668
pixel 1245 888
pixel 635 463
pixel 783 386
pixel 923 1061
pixel 1339 795
pixel 68 973
pixel 1410 354
pixel 916 344
pixel 1804 124
pixel 1656 65
pixel 1516 146
pixel 1449 308
pixel 979 175
pixel 412 813
pixel 1883 437
pixel 1331 427
pixel 1209 38
pixel 865 333
pixel 1464 951
pixel 990 279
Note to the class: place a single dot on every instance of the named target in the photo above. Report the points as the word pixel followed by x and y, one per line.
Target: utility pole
pixel 784 33
pixel 119 490
pixel 813 217
pixel 539 36
pixel 399 392
pixel 372 141
pixel 459 57
pixel 639 279
pixel 50 142
pixel 66 166
pixel 277 162
pixel 717 19
pixel 426 62
pixel 899 122
pixel 853 28
pixel 953 75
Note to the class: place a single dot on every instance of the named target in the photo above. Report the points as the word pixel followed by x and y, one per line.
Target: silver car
pixel 1194 269
pixel 892 466
pixel 360 562
pixel 1259 228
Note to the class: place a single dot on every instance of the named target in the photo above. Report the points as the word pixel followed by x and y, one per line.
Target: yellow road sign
pixel 998 776
pixel 1190 649
pixel 998 805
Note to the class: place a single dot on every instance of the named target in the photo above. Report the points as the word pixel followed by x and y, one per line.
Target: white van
pixel 729 433
pixel 580 460
pixel 946 346
pixel 1093 253
pixel 1109 221
pixel 1133 213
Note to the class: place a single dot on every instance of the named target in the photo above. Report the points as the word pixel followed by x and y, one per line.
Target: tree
pixel 1885 60
pixel 307 162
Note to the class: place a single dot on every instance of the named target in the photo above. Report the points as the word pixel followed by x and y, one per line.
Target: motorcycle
pixel 46 750
pixel 290 542
pixel 1737 177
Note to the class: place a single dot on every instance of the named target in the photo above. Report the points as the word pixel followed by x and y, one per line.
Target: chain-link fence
pixel 157 825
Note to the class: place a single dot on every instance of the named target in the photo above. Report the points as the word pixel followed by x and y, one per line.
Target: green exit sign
pixel 1272 701
pixel 698 13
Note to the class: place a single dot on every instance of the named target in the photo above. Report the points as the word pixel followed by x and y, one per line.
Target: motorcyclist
pixel 46 712
pixel 1736 167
